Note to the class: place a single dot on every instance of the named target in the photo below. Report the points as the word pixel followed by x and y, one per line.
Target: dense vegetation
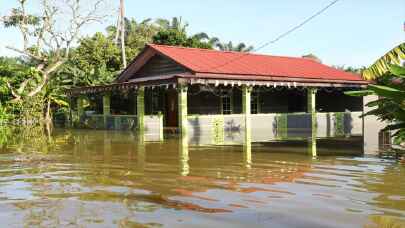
pixel 32 86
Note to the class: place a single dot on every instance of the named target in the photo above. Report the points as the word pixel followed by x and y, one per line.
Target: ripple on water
pixel 93 178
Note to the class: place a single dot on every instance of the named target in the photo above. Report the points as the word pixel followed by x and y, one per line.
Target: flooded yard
pixel 80 178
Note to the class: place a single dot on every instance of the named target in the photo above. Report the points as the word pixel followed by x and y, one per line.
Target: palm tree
pixel 241 47
pixel 176 24
pixel 203 37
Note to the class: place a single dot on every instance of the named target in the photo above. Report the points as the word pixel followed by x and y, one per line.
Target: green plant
pixel 390 107
pixel 382 65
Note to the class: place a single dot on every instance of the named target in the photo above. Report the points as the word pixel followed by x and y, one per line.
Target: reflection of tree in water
pixel 391 196
pixel 378 221
pixel 387 184
pixel 32 140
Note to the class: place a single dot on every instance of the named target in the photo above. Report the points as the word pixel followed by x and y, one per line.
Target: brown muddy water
pixel 79 178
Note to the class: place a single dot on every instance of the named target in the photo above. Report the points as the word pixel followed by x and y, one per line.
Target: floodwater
pixel 80 178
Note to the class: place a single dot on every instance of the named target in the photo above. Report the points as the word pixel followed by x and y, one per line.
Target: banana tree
pixel 382 65
pixel 390 107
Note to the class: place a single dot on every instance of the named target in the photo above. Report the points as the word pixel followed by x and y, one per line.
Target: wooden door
pixel 171 109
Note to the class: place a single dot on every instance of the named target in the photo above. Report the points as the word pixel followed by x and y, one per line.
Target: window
pixel 155 101
pixel 226 100
pixel 254 105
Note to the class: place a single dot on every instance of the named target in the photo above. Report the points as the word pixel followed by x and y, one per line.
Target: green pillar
pixel 246 106
pixel 247 155
pixel 107 147
pixel 161 133
pixel 140 111
pixel 184 157
pixel 311 109
pixel 182 106
pixel 70 119
pixel 107 105
pixel 106 108
pixel 141 153
pixel 80 106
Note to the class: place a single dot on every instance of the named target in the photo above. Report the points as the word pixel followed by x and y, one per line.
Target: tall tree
pixel 137 34
pixel 46 43
pixel 204 37
pixel 96 61
pixel 176 23
pixel 174 33
pixel 123 25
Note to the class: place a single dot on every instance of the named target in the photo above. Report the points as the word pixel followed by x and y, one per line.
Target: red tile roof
pixel 237 63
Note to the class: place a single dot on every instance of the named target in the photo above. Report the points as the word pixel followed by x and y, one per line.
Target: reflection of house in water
pixel 161 171
pixel 222 98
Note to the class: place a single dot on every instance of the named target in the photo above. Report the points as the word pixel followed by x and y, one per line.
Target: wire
pixel 282 35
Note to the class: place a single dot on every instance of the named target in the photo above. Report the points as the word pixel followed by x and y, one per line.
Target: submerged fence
pixel 153 124
pixel 230 129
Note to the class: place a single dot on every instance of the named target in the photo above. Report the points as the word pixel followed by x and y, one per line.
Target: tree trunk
pixel 48 118
pixel 122 12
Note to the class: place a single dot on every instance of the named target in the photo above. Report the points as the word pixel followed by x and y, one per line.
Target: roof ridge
pixel 232 52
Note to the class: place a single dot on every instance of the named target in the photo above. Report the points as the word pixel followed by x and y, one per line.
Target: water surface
pixel 80 178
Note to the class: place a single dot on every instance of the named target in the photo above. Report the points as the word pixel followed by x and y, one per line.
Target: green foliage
pixel 137 35
pixel 350 69
pixel 4 115
pixel 383 65
pixel 241 47
pixel 95 61
pixel 97 51
pixel 174 33
pixel 170 37
pixel 391 103
pixel 17 16
pixel 14 71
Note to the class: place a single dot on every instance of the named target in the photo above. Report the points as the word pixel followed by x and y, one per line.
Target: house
pixel 216 97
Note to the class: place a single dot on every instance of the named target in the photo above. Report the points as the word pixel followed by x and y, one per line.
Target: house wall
pixel 372 128
pixel 157 66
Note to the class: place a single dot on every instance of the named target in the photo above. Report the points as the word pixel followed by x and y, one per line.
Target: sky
pixel 350 33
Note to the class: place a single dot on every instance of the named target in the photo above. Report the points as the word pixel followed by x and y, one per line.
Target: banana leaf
pixel 398 71
pixel 359 93
pixel 394 127
pixel 388 92
pixel 382 65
